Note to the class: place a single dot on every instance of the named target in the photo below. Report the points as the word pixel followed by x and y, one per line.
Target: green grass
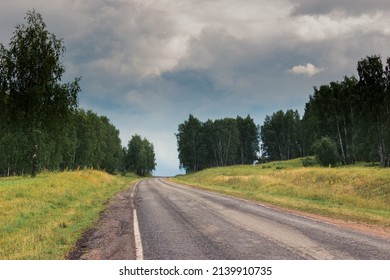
pixel 42 218
pixel 354 193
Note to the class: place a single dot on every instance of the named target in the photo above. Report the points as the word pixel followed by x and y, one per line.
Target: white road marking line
pixel 137 235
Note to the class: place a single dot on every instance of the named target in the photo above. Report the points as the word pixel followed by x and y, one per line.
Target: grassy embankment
pixel 42 218
pixel 356 193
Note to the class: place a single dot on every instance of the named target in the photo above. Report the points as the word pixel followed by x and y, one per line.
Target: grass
pixel 355 193
pixel 42 218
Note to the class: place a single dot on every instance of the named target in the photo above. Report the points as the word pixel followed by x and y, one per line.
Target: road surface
pixel 178 222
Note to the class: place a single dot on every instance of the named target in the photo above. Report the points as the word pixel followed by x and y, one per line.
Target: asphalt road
pixel 178 222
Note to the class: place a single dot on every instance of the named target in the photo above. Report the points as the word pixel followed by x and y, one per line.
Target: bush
pixel 326 152
pixel 280 167
pixel 309 161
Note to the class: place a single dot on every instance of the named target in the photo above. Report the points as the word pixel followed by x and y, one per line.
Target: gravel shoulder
pixel 112 237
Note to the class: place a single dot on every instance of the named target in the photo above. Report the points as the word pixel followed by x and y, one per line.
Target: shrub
pixel 326 152
pixel 309 161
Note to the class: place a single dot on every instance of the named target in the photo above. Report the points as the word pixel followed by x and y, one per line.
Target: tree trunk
pixel 347 153
pixel 381 143
pixel 343 159
pixel 34 162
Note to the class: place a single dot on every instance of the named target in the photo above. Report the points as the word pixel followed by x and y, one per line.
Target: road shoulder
pixel 112 237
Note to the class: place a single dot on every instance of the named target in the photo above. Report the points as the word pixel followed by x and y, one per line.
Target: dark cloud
pixel 352 7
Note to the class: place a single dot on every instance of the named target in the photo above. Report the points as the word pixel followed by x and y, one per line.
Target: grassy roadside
pixel 358 193
pixel 42 218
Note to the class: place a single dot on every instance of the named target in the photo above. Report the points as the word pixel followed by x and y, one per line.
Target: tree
pixel 280 136
pixel 88 147
pixel 190 144
pixel 351 117
pixel 113 155
pixel 224 139
pixel 140 157
pixel 218 142
pixel 326 152
pixel 37 105
pixel 150 158
pixel 331 112
pixel 98 144
pixel 249 140
pixel 374 102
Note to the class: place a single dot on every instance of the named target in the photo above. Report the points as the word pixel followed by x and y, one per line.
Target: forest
pixel 41 124
pixel 350 119
pixel 220 142
pixel 343 122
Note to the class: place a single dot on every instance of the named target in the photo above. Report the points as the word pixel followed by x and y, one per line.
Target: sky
pixel 147 65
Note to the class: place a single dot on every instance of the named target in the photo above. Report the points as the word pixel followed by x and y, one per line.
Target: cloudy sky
pixel 148 64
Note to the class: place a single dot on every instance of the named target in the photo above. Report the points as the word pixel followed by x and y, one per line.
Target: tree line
pixel 349 118
pixel 220 142
pixel 343 122
pixel 41 125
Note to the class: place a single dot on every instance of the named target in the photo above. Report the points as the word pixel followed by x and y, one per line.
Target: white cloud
pixel 328 27
pixel 308 69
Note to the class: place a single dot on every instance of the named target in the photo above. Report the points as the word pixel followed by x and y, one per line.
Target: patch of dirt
pixel 112 238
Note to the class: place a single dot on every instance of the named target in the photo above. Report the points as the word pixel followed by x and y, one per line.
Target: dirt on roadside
pixel 112 238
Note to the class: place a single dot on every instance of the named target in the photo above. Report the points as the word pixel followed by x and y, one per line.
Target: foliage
pixel 41 126
pixel 220 142
pixel 35 104
pixel 374 103
pixel 98 145
pixel 190 145
pixel 354 114
pixel 248 148
pixel 333 113
pixel 280 136
pixel 139 156
pixel 223 139
pixel 326 152
pixel 309 161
